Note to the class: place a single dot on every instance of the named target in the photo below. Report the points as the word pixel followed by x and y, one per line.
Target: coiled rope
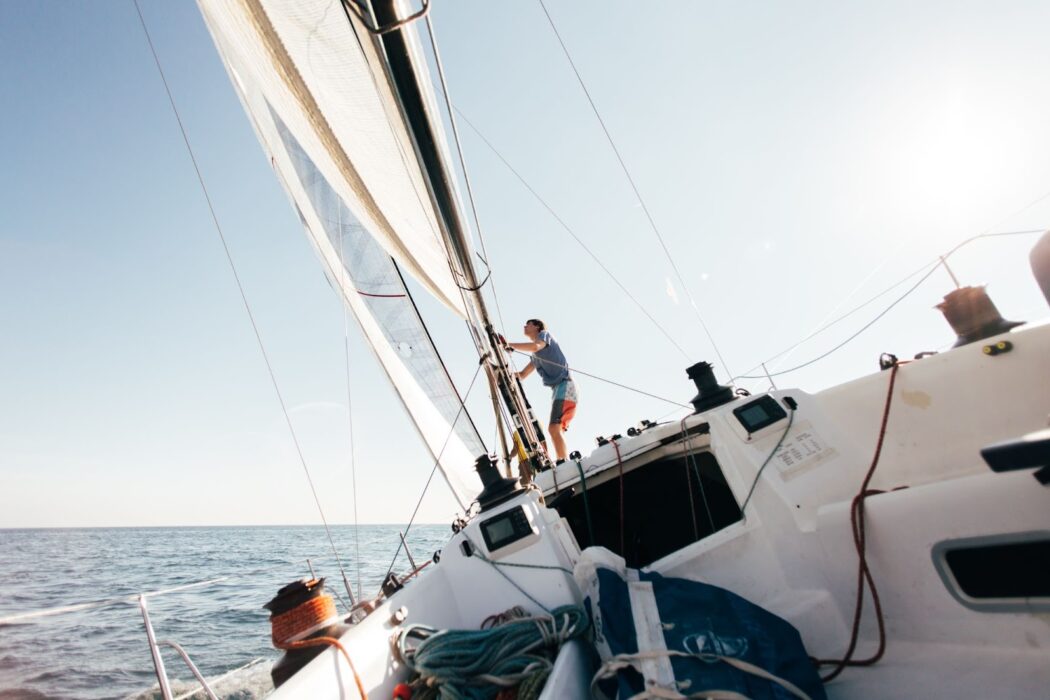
pixel 289 629
pixel 477 664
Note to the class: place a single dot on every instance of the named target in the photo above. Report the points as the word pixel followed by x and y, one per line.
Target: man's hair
pixel 538 323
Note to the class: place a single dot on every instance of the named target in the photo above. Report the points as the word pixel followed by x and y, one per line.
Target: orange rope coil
pixel 300 619
pixel 304 619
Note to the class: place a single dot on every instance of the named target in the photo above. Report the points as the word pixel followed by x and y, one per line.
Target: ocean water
pixel 103 653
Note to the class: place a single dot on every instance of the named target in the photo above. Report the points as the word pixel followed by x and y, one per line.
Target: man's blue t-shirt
pixel 550 362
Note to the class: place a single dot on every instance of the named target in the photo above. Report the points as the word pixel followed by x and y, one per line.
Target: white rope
pixel 620 661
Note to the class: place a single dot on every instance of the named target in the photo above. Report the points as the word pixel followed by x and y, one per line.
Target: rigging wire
pixel 933 266
pixel 433 470
pixel 350 424
pixel 463 164
pixel 839 319
pixel 437 355
pixel 243 294
pixel 769 458
pixel 569 230
pixel 690 459
pixel 637 192
pixel 607 381
pixel 866 326
pixel 842 303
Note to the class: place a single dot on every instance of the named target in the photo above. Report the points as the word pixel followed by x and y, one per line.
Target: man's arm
pixel 527 371
pixel 528 347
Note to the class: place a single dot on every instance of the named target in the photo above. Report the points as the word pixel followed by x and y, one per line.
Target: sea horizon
pixel 250 525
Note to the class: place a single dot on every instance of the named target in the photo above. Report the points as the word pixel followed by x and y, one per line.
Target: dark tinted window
pixel 1008 570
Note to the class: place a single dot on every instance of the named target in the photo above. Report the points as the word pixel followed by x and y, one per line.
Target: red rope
pixel 619 461
pixel 380 296
pixel 333 642
pixel 301 618
pixel 863 572
pixel 416 570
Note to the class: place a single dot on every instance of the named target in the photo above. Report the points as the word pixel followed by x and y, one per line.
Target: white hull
pixel 793 553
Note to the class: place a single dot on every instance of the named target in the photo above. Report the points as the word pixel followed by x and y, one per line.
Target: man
pixel 549 362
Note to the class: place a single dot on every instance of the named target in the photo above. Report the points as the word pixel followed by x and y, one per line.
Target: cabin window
pixel 667 505
pixel 999 572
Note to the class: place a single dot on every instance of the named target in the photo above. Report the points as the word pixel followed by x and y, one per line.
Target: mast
pixel 388 35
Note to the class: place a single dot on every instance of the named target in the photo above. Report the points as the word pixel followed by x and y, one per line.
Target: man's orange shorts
pixel 563 405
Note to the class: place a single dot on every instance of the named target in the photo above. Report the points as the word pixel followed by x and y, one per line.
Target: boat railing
pixel 193 668
pixel 154 645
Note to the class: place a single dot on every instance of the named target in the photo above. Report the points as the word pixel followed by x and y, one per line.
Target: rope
pixel 497 564
pixel 863 328
pixel 518 565
pixel 309 617
pixel 462 163
pixel 691 462
pixel 240 287
pixel 330 641
pixel 769 457
pixel 860 543
pixel 619 463
pixel 304 619
pixel 586 504
pixel 433 470
pixel 620 661
pixel 568 229
pixel 602 379
pixel 692 503
pixel 933 265
pixel 532 686
pixel 637 193
pixel 350 431
pixel 349 6
pixel 466 664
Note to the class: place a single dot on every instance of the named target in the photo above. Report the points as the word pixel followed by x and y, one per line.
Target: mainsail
pixel 304 59
pixel 328 122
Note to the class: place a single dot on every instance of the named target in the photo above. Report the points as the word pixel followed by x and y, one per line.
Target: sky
pixel 797 160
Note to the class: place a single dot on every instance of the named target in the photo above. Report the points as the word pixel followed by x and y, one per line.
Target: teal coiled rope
pixel 477 664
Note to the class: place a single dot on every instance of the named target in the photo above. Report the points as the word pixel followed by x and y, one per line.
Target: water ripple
pixel 102 653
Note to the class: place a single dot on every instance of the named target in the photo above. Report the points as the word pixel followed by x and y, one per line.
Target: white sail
pixel 326 85
pixel 358 229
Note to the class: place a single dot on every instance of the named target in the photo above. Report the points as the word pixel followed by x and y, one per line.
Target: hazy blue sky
pixel 798 158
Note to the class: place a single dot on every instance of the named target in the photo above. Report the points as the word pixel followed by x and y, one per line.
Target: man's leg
pixel 554 429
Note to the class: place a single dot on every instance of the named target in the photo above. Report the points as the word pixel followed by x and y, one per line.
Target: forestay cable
pixel 637 193
pixel 240 289
pixel 437 462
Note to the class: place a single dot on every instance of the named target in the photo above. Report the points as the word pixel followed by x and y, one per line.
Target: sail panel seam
pixel 295 84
